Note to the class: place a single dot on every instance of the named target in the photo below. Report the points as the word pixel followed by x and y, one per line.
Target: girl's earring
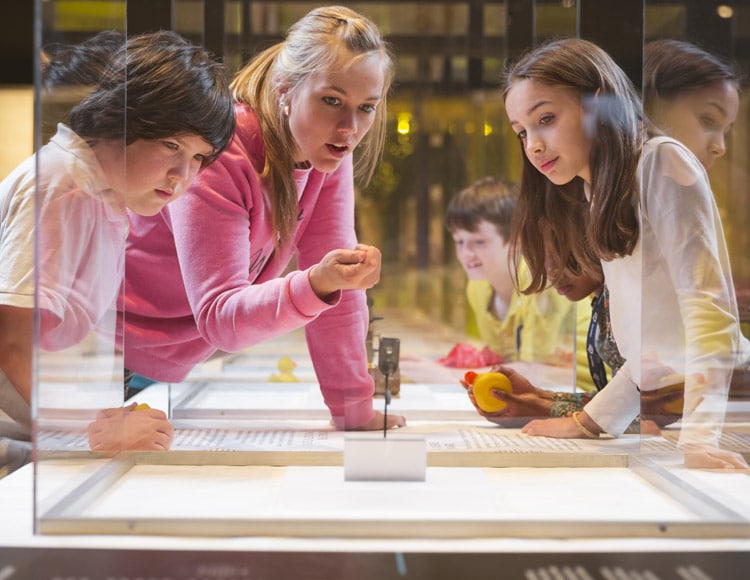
pixel 285 110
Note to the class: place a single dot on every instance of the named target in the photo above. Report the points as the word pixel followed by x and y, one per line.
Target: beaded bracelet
pixel 581 427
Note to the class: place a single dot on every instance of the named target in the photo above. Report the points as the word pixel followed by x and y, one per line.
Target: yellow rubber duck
pixel 286 368
pixel 482 385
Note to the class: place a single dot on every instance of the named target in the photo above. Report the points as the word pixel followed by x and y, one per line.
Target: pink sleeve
pixel 336 339
pixel 225 245
pixel 223 240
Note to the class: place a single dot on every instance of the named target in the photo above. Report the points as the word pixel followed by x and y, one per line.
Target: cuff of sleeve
pixel 613 409
pixel 352 415
pixel 304 298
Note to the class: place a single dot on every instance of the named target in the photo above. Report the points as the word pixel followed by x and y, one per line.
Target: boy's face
pixel 484 253
pixel 158 172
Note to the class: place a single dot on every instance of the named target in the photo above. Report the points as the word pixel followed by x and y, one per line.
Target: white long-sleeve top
pixel 672 302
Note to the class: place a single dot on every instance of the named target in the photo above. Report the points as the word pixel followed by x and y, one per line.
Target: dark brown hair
pixel 157 86
pixel 491 198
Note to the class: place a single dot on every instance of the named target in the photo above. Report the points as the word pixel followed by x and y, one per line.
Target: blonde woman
pixel 207 275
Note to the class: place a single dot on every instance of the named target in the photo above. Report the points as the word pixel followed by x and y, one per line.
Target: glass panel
pixel 695 91
pixel 81 227
pixel 76 225
pixel 134 124
pixel 446 129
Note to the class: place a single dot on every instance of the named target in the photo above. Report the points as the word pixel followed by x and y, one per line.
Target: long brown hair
pixel 318 41
pixel 610 226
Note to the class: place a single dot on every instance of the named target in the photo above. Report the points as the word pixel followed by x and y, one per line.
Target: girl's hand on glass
pixel 577 426
pixel 131 428
pixel 557 427
pixel 376 423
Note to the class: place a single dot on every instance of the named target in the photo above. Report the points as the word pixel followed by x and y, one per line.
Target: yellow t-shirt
pixel 531 328
pixel 537 327
pixel 498 335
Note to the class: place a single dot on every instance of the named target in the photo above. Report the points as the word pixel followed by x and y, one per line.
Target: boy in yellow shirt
pixel 520 327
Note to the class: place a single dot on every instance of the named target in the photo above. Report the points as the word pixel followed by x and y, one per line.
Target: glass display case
pixel 254 451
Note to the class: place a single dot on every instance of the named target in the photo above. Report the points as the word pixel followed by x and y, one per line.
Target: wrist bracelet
pixel 581 427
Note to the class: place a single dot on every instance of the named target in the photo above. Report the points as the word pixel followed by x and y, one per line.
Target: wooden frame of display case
pixel 710 518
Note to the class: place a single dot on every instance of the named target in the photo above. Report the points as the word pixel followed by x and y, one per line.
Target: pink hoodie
pixel 202 275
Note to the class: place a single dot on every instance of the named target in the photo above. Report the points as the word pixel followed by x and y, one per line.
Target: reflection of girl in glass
pixel 692 95
pixel 160 111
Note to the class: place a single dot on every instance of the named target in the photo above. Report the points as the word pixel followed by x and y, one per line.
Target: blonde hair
pixel 312 44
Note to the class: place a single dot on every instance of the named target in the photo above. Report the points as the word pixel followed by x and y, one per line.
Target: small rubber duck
pixel 286 368
pixel 482 385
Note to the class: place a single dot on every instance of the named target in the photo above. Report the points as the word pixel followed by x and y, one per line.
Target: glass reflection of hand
pixel 709 457
pixel 663 406
pixel 131 428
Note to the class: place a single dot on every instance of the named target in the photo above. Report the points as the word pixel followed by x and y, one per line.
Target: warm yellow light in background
pixel 404 123
pixel 17 121
pixel 724 11
pixel 89 15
